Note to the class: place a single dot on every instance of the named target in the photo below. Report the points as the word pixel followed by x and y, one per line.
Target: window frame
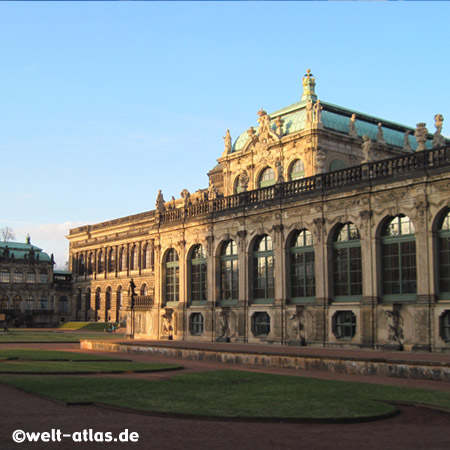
pixel 229 273
pixel 268 287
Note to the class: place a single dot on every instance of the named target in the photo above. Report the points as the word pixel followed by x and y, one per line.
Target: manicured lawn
pixel 54 336
pixel 51 355
pixel 85 326
pixel 230 393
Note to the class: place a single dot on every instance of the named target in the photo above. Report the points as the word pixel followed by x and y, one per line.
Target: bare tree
pixel 7 234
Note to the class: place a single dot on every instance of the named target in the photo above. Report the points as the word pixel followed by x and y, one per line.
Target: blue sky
pixel 102 104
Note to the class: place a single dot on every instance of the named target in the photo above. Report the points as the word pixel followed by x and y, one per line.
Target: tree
pixel 7 234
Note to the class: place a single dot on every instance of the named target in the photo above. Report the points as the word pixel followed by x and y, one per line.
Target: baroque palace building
pixel 321 226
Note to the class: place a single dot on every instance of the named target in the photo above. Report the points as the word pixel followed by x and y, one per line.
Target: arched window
pixel 260 324
pixel 81 269
pixel 43 303
pixel 263 270
pixel 303 281
pixel 229 271
pixel 88 299
pixel 144 289
pixel 267 177
pixel 31 277
pixel 347 265
pixel 198 274
pixel 337 164
pixel 172 276
pixel 123 259
pixel 17 276
pixel 444 258
pixel 147 261
pixel 63 304
pixel 344 324
pixel 100 262
pixel 196 324
pixel 43 276
pixel 4 302
pixel 134 258
pixel 98 294
pixel 29 303
pixel 4 276
pixel 119 298
pixel 17 302
pixel 90 264
pixel 398 259
pixel 237 185
pixel 111 261
pixel 79 299
pixel 297 170
pixel 108 298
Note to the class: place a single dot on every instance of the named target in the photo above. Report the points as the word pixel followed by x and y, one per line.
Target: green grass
pixel 235 394
pixel 85 326
pixel 53 336
pixel 51 355
pixel 84 367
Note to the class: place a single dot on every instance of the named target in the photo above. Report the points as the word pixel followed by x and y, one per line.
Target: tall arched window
pixel 4 302
pixel 31 277
pixel 17 276
pixel 237 185
pixel 134 258
pixel 81 269
pixel 90 263
pixel 398 259
pixel 267 177
pixel 303 280
pixel 43 276
pixel 119 298
pixel 229 271
pixel 100 262
pixel 198 274
pixel 263 270
pixel 43 303
pixel 144 289
pixel 172 276
pixel 147 260
pixel 297 170
pixel 4 276
pixel 444 258
pixel 63 304
pixel 29 303
pixel 17 302
pixel 98 294
pixel 111 261
pixel 123 259
pixel 347 265
pixel 88 300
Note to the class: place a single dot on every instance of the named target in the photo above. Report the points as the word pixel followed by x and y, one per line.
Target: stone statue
pixel 438 139
pixel 317 112
pixel 380 137
pixel 167 325
pixel 264 122
pixel 243 180
pixel 309 82
pixel 251 132
pixel 280 170
pixel 227 139
pixel 406 144
pixel 352 126
pixel 367 148
pixel 160 202
pixel 320 161
pixel 395 327
pixel 212 192
pixel 185 195
pixel 224 319
pixel 421 136
pixel 309 112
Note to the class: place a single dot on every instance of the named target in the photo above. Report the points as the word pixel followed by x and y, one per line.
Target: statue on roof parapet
pixel 320 160
pixel 352 126
pixel 185 195
pixel 367 149
pixel 160 202
pixel 227 139
pixel 280 170
pixel 406 144
pixel 317 109
pixel 380 137
pixel 244 180
pixel 279 124
pixel 309 112
pixel 421 136
pixel 309 83
pixel 438 139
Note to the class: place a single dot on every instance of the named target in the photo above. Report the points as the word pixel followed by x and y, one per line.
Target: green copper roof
pixel 22 251
pixel 337 118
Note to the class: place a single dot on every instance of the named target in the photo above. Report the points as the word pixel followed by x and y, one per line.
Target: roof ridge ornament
pixel 309 83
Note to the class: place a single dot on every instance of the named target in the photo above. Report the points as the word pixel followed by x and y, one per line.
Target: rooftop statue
pixel 160 202
pixel 227 139
pixel 352 126
pixel 309 83
pixel 438 139
pixel 406 144
pixel 309 112
pixel 380 137
pixel 367 148
pixel 421 136
pixel 280 170
pixel 317 108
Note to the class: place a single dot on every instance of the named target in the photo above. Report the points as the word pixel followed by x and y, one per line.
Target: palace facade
pixel 322 226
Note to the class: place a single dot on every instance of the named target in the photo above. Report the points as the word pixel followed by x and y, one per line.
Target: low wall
pixel 398 368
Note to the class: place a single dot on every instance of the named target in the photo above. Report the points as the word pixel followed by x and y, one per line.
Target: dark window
pixel 398 258
pixel 444 258
pixel 260 324
pixel 297 170
pixel 347 264
pixel 444 326
pixel 302 265
pixel 267 177
pixel 263 269
pixel 98 294
pixel 196 324
pixel 172 276
pixel 100 262
pixel 229 272
pixel 108 299
pixel 198 274
pixel 4 302
pixel 63 304
pixel 111 261
pixel 344 324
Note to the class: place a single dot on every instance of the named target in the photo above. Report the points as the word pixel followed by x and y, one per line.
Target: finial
pixel 28 239
pixel 309 83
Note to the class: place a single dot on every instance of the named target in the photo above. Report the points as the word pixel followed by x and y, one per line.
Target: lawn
pixel 52 355
pixel 236 394
pixel 54 336
pixel 85 326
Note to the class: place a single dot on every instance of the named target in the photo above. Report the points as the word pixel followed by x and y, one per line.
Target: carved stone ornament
pixel 244 180
pixel 279 169
pixel 279 124
pixel 309 113
pixel 318 229
pixel 320 160
pixel 212 192
pixel 297 325
pixel 209 244
pixel 160 202
pixel 168 322
pixel 421 136
pixel 309 83
pixel 352 126
pixel 317 109
pixel 185 195
pixel 365 219
pixel 227 139
pixel 395 326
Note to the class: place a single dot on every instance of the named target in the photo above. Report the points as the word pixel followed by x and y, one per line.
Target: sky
pixel 104 103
